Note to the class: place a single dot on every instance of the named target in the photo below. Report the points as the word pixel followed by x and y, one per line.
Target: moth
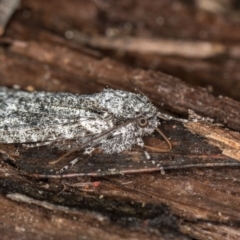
pixel 111 120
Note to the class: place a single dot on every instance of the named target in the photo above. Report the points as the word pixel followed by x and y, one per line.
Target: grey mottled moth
pixel 112 120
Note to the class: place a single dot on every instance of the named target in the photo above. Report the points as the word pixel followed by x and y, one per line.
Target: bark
pixel 84 46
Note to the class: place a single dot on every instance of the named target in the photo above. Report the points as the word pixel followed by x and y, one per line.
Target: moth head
pixel 146 125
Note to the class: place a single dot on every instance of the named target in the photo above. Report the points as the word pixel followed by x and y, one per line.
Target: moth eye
pixel 142 122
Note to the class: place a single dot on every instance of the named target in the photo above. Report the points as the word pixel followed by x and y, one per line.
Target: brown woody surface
pixel 84 46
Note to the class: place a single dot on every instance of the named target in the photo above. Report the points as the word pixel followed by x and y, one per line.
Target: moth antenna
pixel 160 149
pixel 65 155
pixel 136 88
pixel 81 147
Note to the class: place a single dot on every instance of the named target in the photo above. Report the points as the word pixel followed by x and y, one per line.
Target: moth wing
pixel 42 116
pixel 33 128
pixel 52 105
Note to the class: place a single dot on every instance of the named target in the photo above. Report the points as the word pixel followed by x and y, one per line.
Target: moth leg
pixel 141 144
pixel 73 147
pixel 147 155
pixel 88 151
pixel 66 167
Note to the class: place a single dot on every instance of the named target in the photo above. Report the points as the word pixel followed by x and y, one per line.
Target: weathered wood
pixel 184 193
pixel 39 212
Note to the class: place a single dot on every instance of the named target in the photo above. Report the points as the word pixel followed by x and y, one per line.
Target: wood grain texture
pixel 192 191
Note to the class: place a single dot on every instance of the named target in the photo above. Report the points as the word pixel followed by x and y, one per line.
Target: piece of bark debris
pixel 226 140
